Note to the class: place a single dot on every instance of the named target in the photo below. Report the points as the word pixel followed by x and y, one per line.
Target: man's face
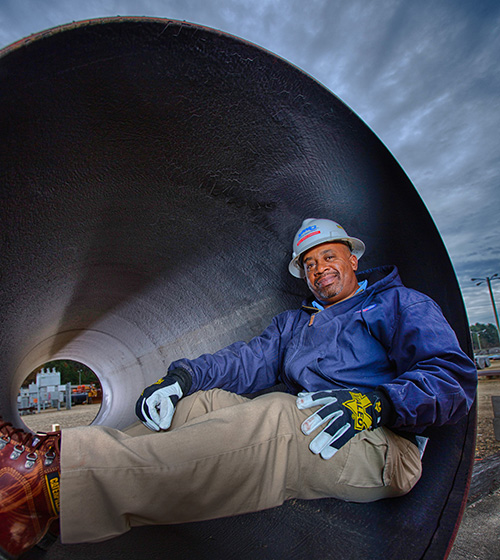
pixel 330 272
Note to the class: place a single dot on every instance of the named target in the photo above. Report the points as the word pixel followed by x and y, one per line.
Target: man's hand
pixel 345 413
pixel 156 405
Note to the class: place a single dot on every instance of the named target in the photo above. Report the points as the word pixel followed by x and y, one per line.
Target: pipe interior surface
pixel 153 174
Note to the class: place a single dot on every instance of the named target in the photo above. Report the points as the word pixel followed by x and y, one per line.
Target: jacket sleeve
pixel 240 367
pixel 436 381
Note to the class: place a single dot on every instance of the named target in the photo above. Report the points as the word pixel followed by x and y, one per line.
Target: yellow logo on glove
pixel 358 406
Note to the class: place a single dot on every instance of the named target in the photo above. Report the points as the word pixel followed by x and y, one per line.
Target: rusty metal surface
pixel 152 176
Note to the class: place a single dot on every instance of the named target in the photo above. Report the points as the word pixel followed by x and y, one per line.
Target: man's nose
pixel 320 267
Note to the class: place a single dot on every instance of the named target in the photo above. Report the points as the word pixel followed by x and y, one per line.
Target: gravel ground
pixel 79 415
pixel 486 445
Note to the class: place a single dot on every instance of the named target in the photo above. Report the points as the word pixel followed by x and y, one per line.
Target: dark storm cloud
pixel 423 75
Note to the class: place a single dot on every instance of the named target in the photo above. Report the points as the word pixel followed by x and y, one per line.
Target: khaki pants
pixel 224 455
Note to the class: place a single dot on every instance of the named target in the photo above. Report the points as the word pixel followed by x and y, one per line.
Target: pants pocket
pixel 404 465
pixel 381 459
pixel 367 458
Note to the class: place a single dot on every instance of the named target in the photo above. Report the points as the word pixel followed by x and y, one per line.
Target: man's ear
pixel 354 262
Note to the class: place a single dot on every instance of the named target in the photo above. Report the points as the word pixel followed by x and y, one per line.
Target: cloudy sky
pixel 424 75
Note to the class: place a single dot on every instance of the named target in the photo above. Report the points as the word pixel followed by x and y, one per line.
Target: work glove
pixel 345 413
pixel 156 405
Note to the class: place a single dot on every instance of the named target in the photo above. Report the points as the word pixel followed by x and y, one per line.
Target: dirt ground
pixel 79 415
pixel 486 445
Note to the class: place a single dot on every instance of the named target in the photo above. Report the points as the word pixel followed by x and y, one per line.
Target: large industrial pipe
pixel 153 174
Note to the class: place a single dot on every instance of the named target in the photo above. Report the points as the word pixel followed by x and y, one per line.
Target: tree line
pixel 71 372
pixel 484 336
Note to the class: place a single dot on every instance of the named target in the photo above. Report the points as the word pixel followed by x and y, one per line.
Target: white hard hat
pixel 314 232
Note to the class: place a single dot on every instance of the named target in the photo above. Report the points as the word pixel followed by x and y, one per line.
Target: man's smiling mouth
pixel 326 280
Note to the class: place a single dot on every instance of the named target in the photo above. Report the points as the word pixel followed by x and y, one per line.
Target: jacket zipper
pixel 311 319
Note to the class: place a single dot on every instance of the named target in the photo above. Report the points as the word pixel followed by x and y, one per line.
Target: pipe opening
pixel 59 394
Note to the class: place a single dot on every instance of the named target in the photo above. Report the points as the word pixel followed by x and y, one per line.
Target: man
pixel 367 364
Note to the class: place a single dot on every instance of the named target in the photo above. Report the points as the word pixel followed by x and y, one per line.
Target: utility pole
pixel 488 280
pixel 478 334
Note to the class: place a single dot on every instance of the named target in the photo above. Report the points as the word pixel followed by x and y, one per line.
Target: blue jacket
pixel 387 337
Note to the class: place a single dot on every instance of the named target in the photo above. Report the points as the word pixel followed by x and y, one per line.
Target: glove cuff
pixel 388 414
pixel 182 377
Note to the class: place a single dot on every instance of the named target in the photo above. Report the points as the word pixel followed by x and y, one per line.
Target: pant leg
pixel 203 402
pixel 191 407
pixel 376 465
pixel 235 459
